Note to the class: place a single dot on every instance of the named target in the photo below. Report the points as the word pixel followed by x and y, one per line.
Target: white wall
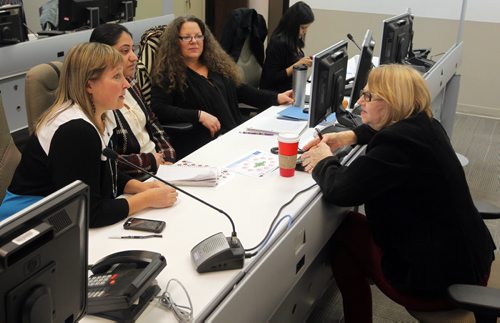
pixel 477 10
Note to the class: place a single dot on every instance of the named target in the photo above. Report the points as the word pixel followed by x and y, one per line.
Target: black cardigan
pixel 216 95
pixel 75 153
pixel 278 58
pixel 418 205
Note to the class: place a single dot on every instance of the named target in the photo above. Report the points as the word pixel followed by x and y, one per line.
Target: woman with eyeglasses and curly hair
pixel 195 80
pixel 421 232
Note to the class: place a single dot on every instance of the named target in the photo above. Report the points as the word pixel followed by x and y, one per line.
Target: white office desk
pixel 259 291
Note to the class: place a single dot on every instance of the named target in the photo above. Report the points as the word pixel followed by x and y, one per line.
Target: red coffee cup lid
pixel 288 137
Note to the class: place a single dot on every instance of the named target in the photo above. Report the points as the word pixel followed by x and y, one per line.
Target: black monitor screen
pixel 328 82
pixel 43 259
pixel 396 39
pixel 364 67
pixel 81 14
pixel 121 10
pixel 12 30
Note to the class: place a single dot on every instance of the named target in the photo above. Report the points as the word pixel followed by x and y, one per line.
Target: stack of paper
pixel 188 175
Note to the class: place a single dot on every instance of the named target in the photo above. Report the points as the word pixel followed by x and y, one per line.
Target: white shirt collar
pixel 73 112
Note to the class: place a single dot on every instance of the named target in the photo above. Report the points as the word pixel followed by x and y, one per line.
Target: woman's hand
pixel 335 140
pixel 306 60
pixel 210 122
pixel 159 159
pixel 153 194
pixel 285 97
pixel 318 149
pixel 314 155
pixel 162 196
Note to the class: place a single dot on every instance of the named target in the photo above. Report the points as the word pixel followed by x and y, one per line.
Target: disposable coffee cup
pixel 288 145
pixel 299 80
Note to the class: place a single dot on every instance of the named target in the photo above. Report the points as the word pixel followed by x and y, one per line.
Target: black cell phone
pixel 147 225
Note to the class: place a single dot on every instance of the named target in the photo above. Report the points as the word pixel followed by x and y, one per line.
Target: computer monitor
pixel 364 66
pixel 396 39
pixel 12 30
pixel 43 259
pixel 328 82
pixel 121 10
pixel 81 14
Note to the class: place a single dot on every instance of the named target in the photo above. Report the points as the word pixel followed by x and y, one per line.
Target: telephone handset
pixel 123 284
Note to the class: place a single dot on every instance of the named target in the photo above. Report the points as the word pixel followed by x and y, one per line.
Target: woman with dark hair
pixel 138 136
pixel 196 81
pixel 284 50
pixel 422 232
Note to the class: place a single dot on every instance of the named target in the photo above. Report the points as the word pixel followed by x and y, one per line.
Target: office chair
pixel 149 43
pixel 473 303
pixel 40 90
pixel 150 40
pixel 9 154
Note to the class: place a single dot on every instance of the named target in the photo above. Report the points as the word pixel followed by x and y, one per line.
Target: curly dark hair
pixel 169 61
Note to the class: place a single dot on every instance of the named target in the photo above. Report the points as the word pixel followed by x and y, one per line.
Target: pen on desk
pixel 320 136
pixel 138 237
pixel 257 133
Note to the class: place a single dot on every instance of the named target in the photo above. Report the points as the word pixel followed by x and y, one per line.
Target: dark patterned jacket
pixel 125 143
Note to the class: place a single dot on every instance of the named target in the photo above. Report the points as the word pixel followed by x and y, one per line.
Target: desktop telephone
pixel 123 284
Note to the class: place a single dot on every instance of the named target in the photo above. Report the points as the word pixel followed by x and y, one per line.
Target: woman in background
pixel 195 81
pixel 284 50
pixel 421 232
pixel 69 139
pixel 138 136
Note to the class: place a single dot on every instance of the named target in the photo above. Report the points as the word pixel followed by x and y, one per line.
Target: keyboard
pixel 50 33
pixel 334 128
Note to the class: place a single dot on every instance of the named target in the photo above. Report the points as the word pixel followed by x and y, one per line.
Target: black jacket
pixel 278 59
pixel 216 95
pixel 242 23
pixel 418 205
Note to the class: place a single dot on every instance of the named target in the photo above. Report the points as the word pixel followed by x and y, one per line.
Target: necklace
pixel 114 173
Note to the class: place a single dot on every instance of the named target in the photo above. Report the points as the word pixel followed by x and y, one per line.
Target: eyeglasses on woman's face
pixel 187 39
pixel 368 96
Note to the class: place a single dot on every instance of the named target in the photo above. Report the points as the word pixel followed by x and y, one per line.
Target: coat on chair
pixel 244 22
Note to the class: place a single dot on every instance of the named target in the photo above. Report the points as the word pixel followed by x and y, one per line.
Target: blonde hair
pixel 403 89
pixel 84 62
pixel 169 62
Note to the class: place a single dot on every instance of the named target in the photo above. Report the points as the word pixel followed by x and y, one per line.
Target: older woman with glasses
pixel 195 81
pixel 421 232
